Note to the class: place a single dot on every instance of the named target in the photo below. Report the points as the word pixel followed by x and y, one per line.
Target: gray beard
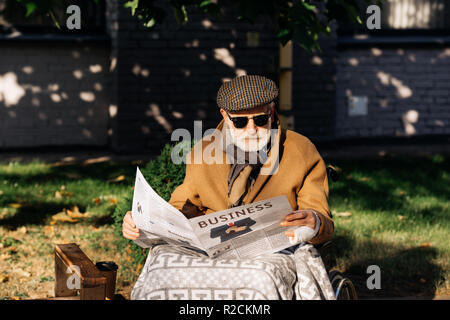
pixel 240 156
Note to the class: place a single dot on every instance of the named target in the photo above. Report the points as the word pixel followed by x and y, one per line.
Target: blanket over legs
pixel 172 272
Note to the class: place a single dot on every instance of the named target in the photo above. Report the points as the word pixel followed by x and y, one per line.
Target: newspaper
pixel 241 232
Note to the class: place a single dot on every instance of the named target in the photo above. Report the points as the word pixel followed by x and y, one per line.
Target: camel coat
pixel 300 175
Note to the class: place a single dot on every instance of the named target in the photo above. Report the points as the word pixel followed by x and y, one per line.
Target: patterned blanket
pixel 172 272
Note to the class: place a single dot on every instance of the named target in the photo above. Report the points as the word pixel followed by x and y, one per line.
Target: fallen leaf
pixel 22 230
pixel 15 205
pixel 75 213
pixel 1 192
pixel 62 217
pixel 63 193
pixel 49 230
pixel 22 280
pixel 67 193
pixel 113 201
pixel 118 179
pixel 72 175
pixel 97 200
pixel 22 273
pixel 364 179
pixel 401 218
pixel 68 215
pixel 342 214
pixel 96 160
pixel 426 245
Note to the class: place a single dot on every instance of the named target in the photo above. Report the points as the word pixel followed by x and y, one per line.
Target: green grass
pixel 29 191
pixel 32 194
pixel 400 221
pixel 399 217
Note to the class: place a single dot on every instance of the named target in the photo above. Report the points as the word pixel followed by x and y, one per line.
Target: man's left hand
pixel 299 218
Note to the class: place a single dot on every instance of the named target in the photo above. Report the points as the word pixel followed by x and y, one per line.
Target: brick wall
pixel 314 87
pixel 408 91
pixel 169 77
pixel 53 94
pixel 131 95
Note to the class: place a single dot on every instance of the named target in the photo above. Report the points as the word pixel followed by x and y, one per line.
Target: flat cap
pixel 246 92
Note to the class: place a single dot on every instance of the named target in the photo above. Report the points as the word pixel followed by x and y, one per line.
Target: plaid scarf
pixel 244 170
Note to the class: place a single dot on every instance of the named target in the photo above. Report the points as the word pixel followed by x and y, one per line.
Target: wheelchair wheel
pixel 342 286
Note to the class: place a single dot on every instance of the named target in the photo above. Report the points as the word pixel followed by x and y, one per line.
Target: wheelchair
pixel 342 286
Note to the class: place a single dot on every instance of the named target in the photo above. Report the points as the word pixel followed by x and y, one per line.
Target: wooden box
pixel 76 274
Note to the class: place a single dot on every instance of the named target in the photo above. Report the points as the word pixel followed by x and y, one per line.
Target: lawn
pixel 45 204
pixel 393 212
pixel 389 211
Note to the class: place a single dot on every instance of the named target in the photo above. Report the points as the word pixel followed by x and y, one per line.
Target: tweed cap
pixel 246 92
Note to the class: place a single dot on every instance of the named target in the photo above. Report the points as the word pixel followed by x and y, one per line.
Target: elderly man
pixel 258 160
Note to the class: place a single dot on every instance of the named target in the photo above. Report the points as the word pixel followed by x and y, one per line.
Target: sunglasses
pixel 241 122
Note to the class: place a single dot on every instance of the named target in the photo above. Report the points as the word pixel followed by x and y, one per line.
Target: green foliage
pixel 46 8
pixel 301 20
pixel 164 176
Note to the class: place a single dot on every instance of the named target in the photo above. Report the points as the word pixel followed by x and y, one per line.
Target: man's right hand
pixel 129 229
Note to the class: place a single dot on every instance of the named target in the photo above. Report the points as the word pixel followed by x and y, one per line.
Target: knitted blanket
pixel 173 272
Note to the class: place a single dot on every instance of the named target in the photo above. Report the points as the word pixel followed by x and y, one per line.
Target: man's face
pixel 251 137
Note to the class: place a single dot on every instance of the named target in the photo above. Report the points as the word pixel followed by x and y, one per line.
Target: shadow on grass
pixel 102 171
pixel 405 272
pixel 386 183
pixel 40 213
pixel 34 210
pixel 34 213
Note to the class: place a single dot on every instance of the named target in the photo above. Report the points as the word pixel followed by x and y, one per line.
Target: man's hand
pixel 129 229
pixel 299 218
